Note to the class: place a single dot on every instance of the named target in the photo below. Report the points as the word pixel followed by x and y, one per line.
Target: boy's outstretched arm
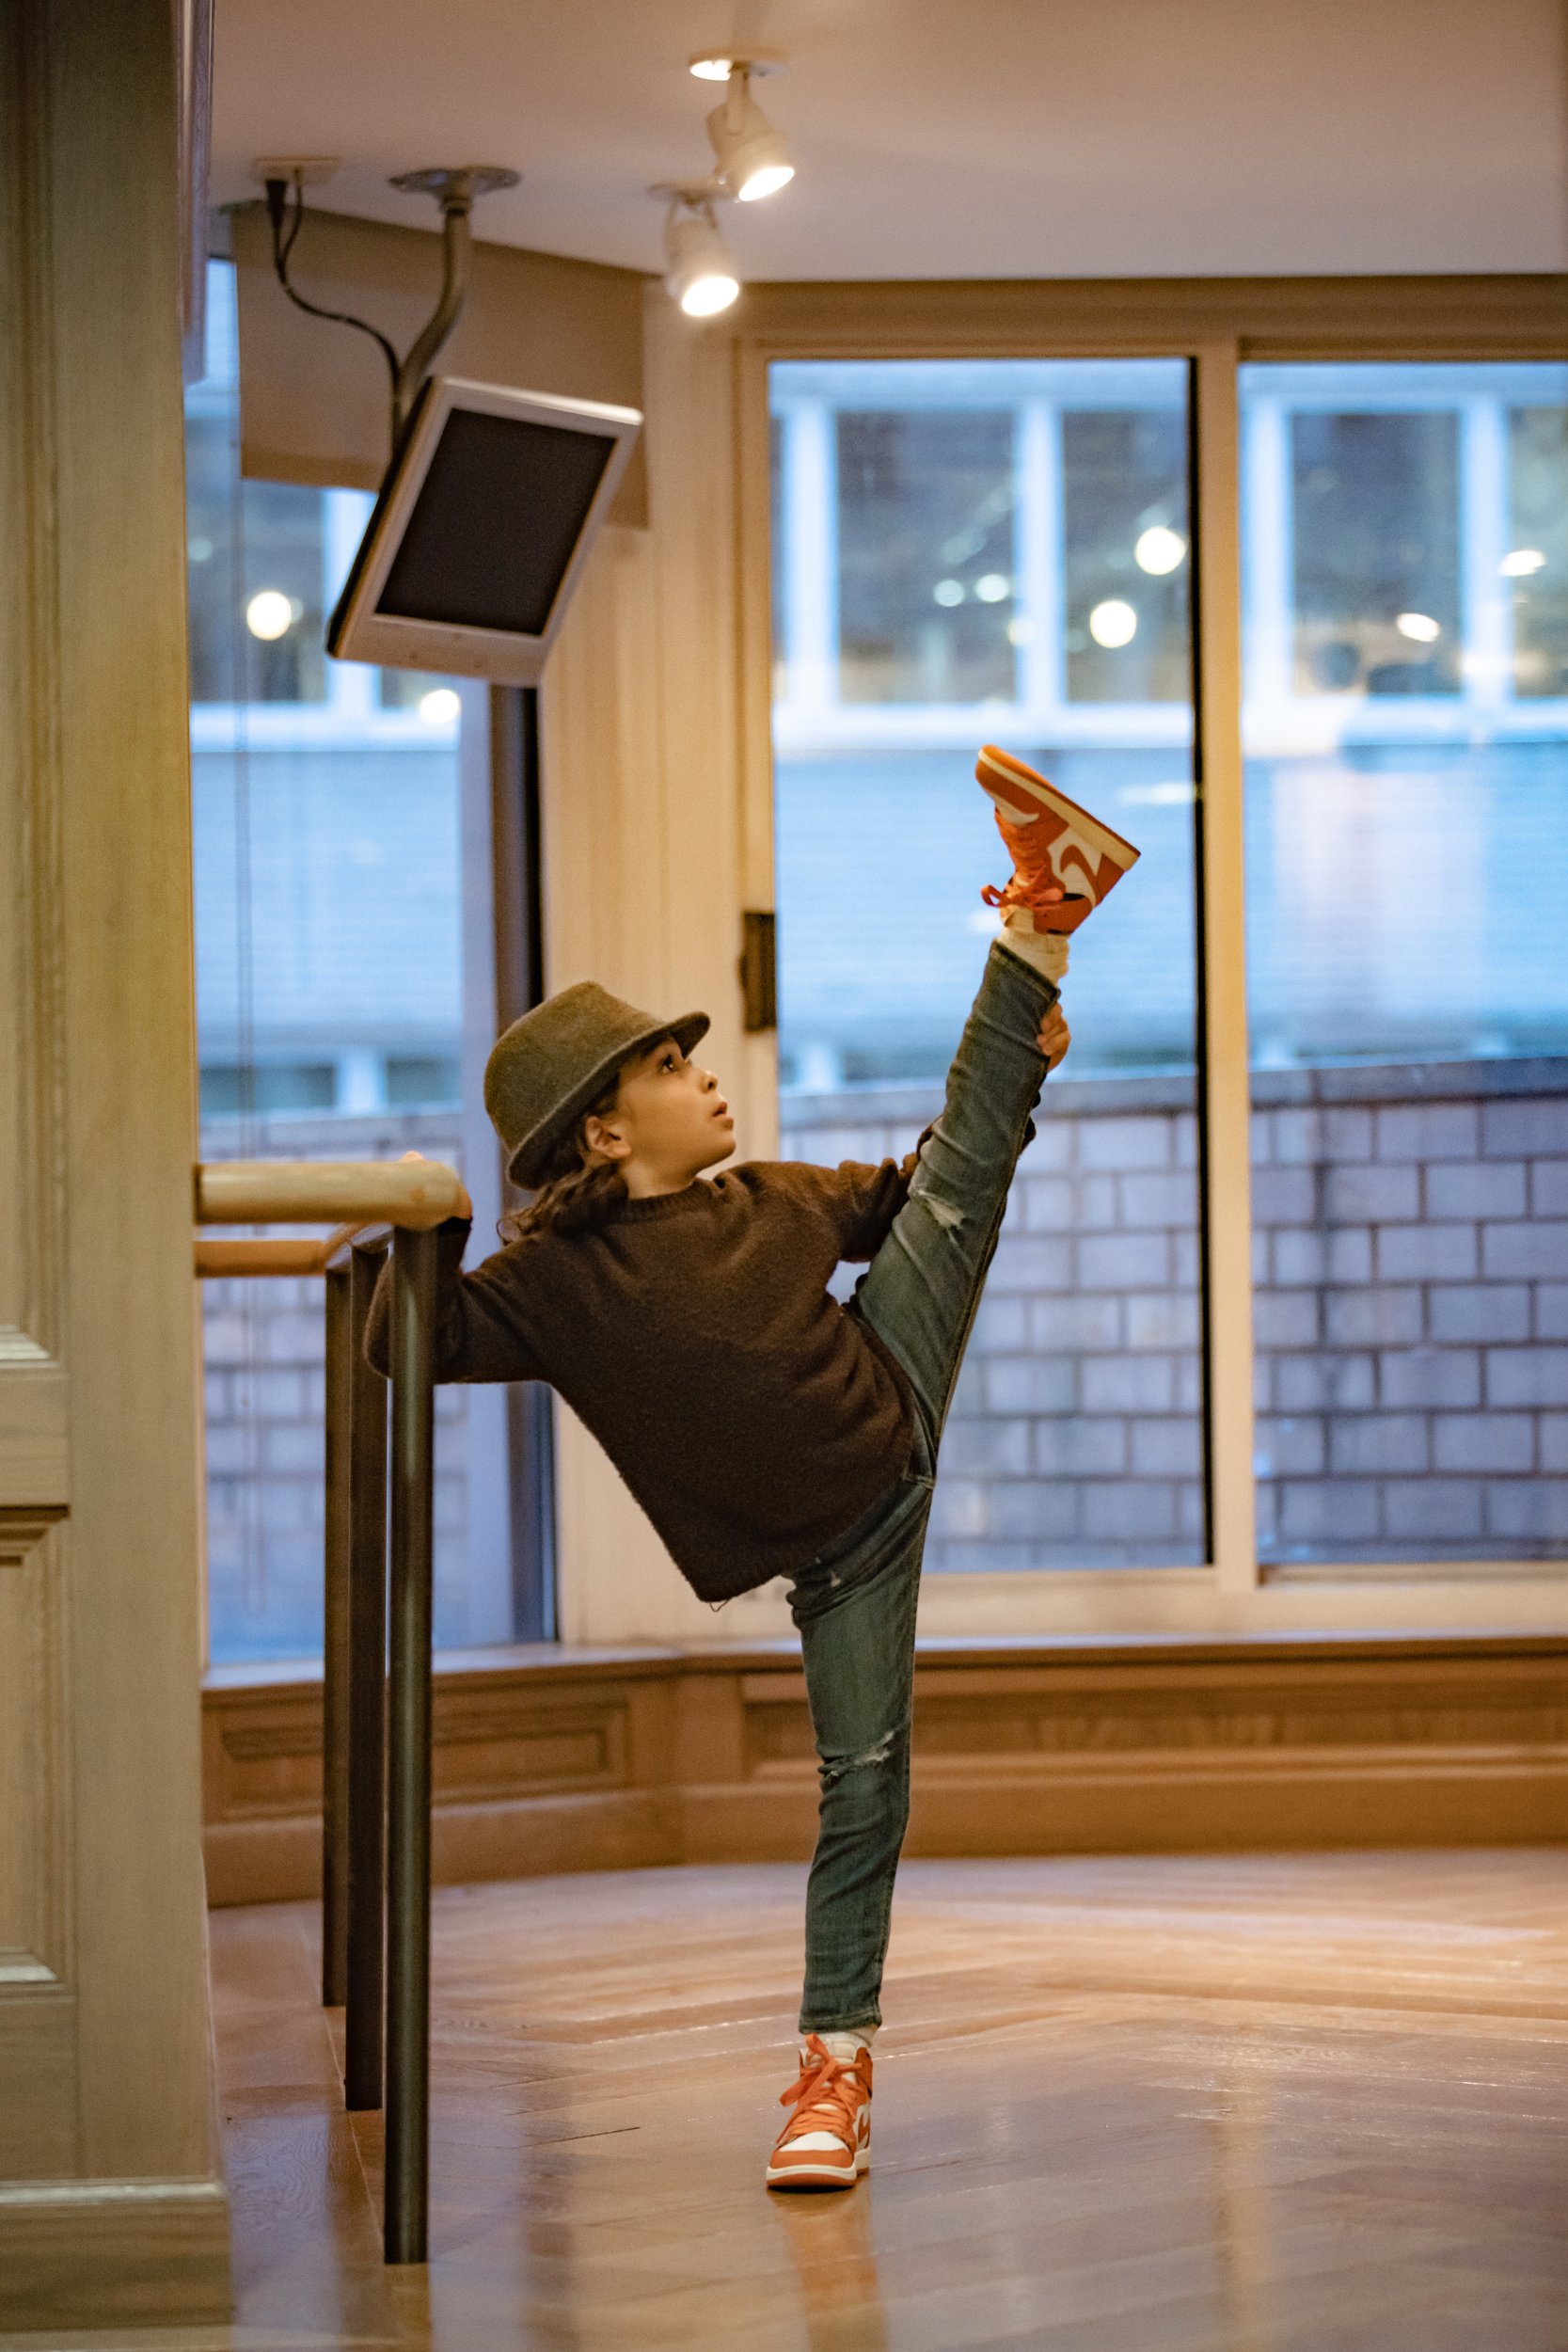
pixel 479 1317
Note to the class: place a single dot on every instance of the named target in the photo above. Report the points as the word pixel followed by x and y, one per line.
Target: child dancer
pixel 767 1430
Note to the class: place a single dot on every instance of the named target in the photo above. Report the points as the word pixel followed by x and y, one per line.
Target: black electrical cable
pixel 283 245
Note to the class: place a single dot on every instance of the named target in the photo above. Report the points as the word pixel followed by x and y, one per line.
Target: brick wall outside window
pixel 1411 1320
pixel 1411 1257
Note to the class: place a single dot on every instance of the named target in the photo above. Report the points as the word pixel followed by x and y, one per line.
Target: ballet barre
pixel 377 1683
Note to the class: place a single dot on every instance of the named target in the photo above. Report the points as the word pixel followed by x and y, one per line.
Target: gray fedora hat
pixel 548 1068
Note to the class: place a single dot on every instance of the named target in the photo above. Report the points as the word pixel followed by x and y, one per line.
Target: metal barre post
pixel 335 1646
pixel 407 2163
pixel 366 1698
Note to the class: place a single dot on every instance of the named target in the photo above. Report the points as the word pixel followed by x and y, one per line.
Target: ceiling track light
pixel 699 271
pixel 752 157
pixel 717 65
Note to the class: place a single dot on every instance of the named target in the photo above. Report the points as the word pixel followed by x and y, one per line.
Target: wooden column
pixel 111 2205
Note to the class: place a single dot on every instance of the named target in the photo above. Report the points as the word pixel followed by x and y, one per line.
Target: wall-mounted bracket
pixel 454 188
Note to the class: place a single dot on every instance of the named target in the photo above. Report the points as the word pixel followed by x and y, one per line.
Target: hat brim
pixel 534 1153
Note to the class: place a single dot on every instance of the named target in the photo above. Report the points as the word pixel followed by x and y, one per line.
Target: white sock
pixel 1045 952
pixel 846 2047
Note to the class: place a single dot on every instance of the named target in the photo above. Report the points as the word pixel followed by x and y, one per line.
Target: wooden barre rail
pixel 415 1195
pixel 270 1254
pixel 379 1557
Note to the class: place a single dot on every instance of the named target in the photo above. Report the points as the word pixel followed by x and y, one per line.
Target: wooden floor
pixel 1249 2103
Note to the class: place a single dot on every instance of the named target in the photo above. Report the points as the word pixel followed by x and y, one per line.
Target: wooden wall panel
pixel 33 1907
pixel 110 2204
pixel 547 1763
pixel 645 877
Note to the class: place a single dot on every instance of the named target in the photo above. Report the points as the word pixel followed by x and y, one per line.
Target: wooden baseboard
pixel 550 1760
pixel 516 1838
pixel 113 2254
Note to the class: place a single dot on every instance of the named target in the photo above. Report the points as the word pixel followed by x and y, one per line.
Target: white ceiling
pixel 945 138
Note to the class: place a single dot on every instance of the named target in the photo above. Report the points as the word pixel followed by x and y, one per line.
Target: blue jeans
pixel 855 1606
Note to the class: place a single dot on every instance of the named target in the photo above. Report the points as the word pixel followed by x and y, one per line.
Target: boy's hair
pixel 572 1196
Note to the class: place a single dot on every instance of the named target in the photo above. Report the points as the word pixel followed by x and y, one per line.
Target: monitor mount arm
pixel 455 191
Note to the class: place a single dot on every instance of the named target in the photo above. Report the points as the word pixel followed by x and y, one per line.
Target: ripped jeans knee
pixel 830 1770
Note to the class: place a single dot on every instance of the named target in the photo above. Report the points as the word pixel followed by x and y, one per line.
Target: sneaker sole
pixel 1024 794
pixel 807 2176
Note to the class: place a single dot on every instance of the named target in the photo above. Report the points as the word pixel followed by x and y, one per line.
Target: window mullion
pixel 1217 622
pixel 1486 622
pixel 1039 599
pixel 1266 581
pixel 810 571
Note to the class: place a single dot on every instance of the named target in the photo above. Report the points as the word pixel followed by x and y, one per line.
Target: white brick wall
pixel 1412 1327
pixel 266 1400
pixel 1404 1405
pixel 1411 1257
pixel 1075 1434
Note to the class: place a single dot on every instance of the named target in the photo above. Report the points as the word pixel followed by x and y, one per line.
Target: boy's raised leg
pixel 923 1289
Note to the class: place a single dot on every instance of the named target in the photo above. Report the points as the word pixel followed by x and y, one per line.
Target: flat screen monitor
pixel 480 533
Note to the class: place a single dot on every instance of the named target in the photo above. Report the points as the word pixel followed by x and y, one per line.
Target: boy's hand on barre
pixel 465 1206
pixel 1054 1037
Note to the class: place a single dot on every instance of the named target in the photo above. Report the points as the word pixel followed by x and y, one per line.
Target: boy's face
pixel 670 1122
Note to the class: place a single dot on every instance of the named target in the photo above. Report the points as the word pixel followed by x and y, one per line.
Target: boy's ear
pixel 603 1140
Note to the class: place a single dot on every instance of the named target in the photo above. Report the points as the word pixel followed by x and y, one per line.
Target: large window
pixel 1405 536
pixel 1001 550
pixel 328 882
pixel 998 549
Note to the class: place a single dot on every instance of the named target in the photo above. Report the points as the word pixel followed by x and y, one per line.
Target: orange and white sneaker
pixel 827 2142
pixel 1065 861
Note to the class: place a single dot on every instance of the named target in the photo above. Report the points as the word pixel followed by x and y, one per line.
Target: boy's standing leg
pixel 856 1609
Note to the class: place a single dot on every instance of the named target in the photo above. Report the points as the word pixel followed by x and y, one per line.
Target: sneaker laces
pixel 1033 874
pixel 828 2096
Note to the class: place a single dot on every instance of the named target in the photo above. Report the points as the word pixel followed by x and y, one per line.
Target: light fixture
pixel 699 271
pixel 1112 623
pixel 1520 561
pixel 993 587
pixel 717 65
pixel 1420 627
pixel 751 158
pixel 440 706
pixel 270 615
pixel 948 592
pixel 1159 549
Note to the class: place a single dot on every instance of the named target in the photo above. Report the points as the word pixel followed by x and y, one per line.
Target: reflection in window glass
pixel 1535 566
pixel 256 545
pixel 1124 488
pixel 1375 531
pixel 327 896
pixel 1019 490
pixel 925 556
pixel 1407 865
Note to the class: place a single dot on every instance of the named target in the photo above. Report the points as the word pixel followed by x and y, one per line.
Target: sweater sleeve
pixel 479 1333
pixel 862 1201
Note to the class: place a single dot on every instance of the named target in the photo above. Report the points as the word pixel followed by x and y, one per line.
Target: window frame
pixel 1217 326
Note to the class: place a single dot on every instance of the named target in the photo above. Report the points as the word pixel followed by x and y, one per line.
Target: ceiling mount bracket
pixel 455 187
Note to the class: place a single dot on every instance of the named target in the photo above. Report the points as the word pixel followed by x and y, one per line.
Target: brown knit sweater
pixel 753 1418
